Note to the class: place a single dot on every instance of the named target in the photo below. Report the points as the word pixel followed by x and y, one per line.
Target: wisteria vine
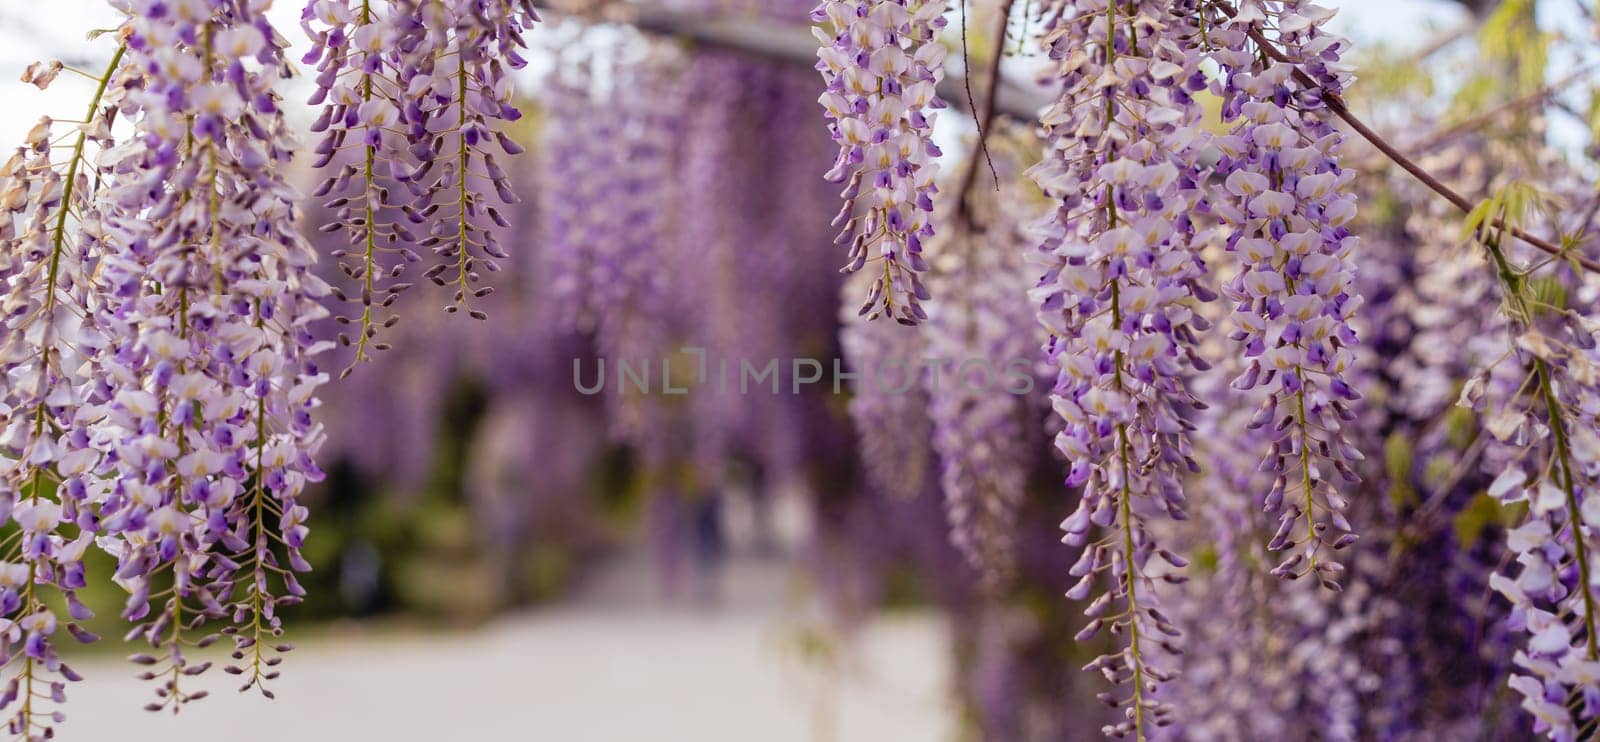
pixel 881 65
pixel 1189 287
pixel 160 380
pixel 414 96
pixel 1122 276
pixel 1286 209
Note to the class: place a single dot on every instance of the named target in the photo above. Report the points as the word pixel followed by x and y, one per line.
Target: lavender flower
pixel 614 108
pixel 1540 404
pixel 1302 639
pixel 210 386
pixel 52 332
pixel 363 101
pixel 1427 320
pixel 574 153
pixel 1121 275
pixel 889 404
pixel 981 413
pixel 881 63
pixel 1286 208
pixel 456 60
pixel 746 171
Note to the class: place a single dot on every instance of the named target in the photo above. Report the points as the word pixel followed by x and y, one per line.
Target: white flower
pixel 34 516
pixel 78 463
pixel 1509 480
pixel 1549 635
pixel 13 575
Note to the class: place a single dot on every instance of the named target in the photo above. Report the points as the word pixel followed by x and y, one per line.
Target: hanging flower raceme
pixel 651 102
pixel 364 144
pixel 747 175
pixel 1121 271
pixel 1552 434
pixel 614 120
pixel 1303 639
pixel 207 382
pixel 981 399
pixel 455 60
pixel 50 333
pixel 574 151
pixel 1428 320
pixel 888 403
pixel 1541 404
pixel 711 297
pixel 978 403
pixel 612 115
pixel 1286 205
pixel 881 64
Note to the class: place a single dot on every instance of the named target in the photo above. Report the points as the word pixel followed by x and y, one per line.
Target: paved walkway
pixel 615 664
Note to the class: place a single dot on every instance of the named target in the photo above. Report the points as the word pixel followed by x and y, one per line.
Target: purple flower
pixel 209 349
pixel 881 62
pixel 1285 207
pixel 1122 274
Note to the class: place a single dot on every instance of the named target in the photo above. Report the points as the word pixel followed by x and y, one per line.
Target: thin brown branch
pixel 966 61
pixel 1336 104
pixel 985 119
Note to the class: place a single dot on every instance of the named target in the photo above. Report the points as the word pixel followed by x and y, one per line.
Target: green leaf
pixel 1478 517
pixel 1397 456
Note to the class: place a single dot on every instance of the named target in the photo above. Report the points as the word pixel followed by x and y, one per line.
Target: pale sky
pixel 55 28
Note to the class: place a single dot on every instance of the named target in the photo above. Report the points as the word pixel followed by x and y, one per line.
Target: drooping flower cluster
pixel 158 388
pixel 757 115
pixel 462 94
pixel 421 93
pixel 613 112
pixel 1122 272
pixel 363 142
pixel 652 104
pixel 881 62
pixel 611 123
pixel 208 382
pixel 889 404
pixel 981 397
pixel 159 381
pixel 718 216
pixel 574 151
pixel 1433 648
pixel 1540 404
pixel 51 312
pixel 1286 207
pixel 979 407
pixel 1553 591
pixel 1301 639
